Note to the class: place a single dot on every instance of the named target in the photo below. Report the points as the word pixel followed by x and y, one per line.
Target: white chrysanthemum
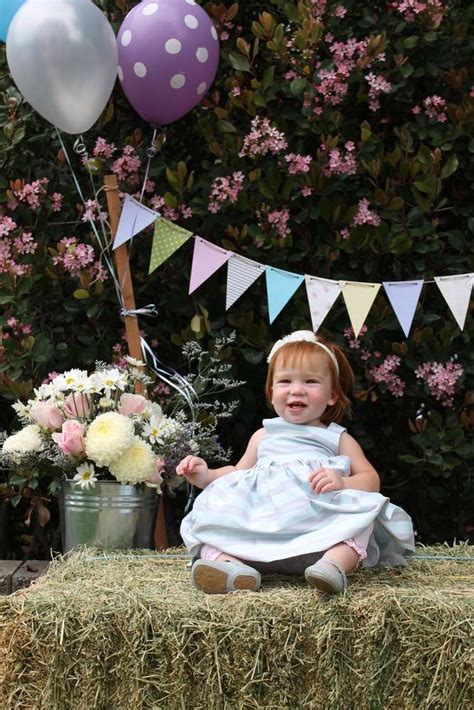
pixel 23 411
pixel 25 441
pixel 75 380
pixel 109 380
pixel 108 436
pixel 106 403
pixel 152 411
pixel 85 476
pixel 135 465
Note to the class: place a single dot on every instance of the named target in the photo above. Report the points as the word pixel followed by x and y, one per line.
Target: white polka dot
pixel 126 38
pixel 202 54
pixel 202 88
pixel 120 73
pixel 213 32
pixel 150 9
pixel 173 46
pixel 191 22
pixel 177 81
pixel 139 69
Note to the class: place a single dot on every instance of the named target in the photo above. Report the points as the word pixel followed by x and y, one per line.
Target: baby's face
pixel 302 392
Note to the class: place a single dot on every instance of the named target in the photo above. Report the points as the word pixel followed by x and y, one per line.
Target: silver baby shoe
pixel 327 576
pixel 222 576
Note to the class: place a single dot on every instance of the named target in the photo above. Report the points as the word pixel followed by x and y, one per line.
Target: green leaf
pixel 450 167
pixel 297 86
pixel 81 293
pixel 238 62
pixel 411 42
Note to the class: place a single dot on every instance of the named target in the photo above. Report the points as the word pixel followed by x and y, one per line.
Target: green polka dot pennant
pixel 168 237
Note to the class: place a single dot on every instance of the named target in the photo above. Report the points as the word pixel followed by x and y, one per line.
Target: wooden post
pixel 131 322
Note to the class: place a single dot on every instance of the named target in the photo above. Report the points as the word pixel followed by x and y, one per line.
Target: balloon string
pixel 171 377
pixel 151 152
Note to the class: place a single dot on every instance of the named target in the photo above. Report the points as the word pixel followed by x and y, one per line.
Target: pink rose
pixel 131 404
pixel 46 414
pixel 77 405
pixel 71 438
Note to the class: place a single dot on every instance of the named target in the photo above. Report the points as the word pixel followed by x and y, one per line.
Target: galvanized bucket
pixel 109 515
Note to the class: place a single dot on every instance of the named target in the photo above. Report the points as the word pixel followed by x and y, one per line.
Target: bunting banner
pixel 167 238
pixel 241 274
pixel 359 297
pixel 281 285
pixel 207 258
pixel 404 297
pixel 456 292
pixel 322 294
pixel 134 218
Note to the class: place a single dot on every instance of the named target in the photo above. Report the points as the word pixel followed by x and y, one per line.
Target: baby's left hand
pixel 325 480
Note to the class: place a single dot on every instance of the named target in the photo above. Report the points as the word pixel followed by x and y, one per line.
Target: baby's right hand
pixel 192 468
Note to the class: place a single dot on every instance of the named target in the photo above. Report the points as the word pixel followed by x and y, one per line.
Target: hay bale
pixel 125 631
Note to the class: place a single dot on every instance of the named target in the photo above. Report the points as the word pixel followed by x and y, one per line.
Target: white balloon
pixel 62 55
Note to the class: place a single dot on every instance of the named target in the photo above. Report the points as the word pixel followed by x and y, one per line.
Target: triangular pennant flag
pixel 281 285
pixel 207 258
pixel 321 296
pixel 168 237
pixel 241 273
pixel 359 297
pixel 456 291
pixel 133 219
pixel 404 296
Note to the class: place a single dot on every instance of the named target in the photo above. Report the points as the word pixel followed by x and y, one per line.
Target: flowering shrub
pixel 336 141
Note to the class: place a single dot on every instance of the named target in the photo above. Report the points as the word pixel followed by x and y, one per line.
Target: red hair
pixel 293 354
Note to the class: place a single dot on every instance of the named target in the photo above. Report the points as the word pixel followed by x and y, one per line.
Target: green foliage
pixel 413 163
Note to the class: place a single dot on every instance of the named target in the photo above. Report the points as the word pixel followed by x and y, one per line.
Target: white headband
pixel 299 336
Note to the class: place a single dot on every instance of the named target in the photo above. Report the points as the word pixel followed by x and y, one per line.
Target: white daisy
pixel 110 380
pixel 74 379
pixel 85 476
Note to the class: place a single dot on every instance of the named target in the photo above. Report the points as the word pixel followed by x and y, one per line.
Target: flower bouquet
pixel 89 427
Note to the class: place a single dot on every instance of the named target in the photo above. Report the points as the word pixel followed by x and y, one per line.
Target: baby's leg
pixel 208 552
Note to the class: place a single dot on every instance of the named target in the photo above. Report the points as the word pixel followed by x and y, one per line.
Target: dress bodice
pixel 286 439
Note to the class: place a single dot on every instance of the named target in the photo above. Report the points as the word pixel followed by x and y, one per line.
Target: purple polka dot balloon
pixel 168 55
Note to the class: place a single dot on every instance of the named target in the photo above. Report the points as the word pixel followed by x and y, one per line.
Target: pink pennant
pixel 207 258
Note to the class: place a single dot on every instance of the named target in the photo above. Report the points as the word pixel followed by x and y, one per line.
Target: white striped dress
pixel 269 512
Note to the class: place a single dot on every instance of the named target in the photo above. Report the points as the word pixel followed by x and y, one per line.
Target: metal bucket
pixel 108 516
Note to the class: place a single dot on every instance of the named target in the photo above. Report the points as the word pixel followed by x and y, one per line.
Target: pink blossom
pixel 7 225
pixel 225 189
pixel 340 11
pixel 433 106
pixel 126 168
pixel 57 201
pixel 386 374
pixel 93 212
pixel 33 193
pixel 345 233
pixel 377 85
pixel 77 404
pixel 297 163
pixel 102 149
pixel 235 91
pixel 73 256
pixel 279 221
pixel 25 244
pixel 290 75
pixel 71 439
pixel 433 10
pixel 306 191
pixel 340 162
pixel 365 215
pixel 354 343
pixel 46 414
pixel 441 379
pixel 131 404
pixel 262 139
